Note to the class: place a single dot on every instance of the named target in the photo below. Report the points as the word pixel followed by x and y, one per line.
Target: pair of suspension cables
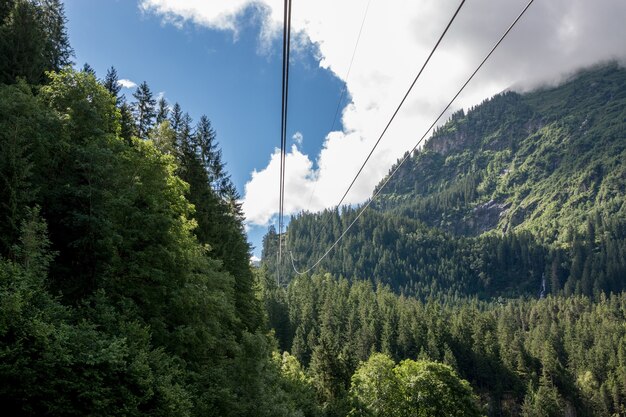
pixel 283 130
pixel 286 39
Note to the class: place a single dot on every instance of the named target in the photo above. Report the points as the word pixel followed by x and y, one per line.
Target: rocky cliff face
pixel 448 143
pixel 486 216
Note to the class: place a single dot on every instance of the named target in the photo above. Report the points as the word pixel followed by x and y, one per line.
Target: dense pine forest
pixel 523 357
pixel 488 279
pixel 125 284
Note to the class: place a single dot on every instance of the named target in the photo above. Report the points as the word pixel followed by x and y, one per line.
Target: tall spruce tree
pixel 176 120
pixel 22 44
pixel 58 51
pixel 145 110
pixel 163 111
pixel 217 208
pixel 112 84
pixel 211 156
pixel 127 122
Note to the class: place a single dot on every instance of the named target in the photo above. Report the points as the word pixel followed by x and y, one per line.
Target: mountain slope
pixel 540 161
pixel 523 194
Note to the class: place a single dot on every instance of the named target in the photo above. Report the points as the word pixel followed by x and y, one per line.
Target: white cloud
pixel 127 83
pixel 554 38
pixel 260 205
pixel 297 138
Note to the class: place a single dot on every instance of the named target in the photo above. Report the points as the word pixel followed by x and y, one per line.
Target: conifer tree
pixel 22 44
pixel 127 122
pixel 58 51
pixel 163 111
pixel 112 84
pixel 5 9
pixel 144 110
pixel 176 117
pixel 22 135
pixel 211 156
pixel 33 39
pixel 88 69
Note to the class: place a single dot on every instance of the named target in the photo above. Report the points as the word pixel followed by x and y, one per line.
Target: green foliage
pixel 516 353
pixel 415 259
pixel 22 44
pixel 33 40
pixel 140 298
pixel 112 85
pixel 297 385
pixel 55 361
pixel 375 389
pixel 144 110
pixel 218 213
pixel 521 189
pixel 432 389
pixel 543 402
pixel 25 128
pixel 422 388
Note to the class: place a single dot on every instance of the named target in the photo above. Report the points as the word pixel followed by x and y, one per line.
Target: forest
pixel 499 249
pixel 126 286
pixel 521 190
pixel 523 357
pixel 125 283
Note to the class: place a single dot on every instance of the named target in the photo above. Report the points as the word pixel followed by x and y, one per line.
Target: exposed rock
pixel 486 216
pixel 447 143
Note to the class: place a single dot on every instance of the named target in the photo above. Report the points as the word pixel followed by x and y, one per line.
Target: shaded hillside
pixel 521 190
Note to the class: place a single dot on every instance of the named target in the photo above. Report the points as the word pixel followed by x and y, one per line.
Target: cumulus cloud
pixel 261 204
pixel 127 83
pixel 554 39
pixel 297 138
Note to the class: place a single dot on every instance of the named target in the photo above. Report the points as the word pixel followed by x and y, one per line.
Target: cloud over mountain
pixel 553 39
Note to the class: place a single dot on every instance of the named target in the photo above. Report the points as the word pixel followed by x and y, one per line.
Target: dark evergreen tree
pixel 58 52
pixel 5 10
pixel 127 122
pixel 33 39
pixel 88 69
pixel 144 109
pixel 112 84
pixel 22 44
pixel 210 154
pixel 25 130
pixel 176 118
pixel 163 111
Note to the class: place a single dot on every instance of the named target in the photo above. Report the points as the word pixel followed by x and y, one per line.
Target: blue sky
pixel 210 72
pixel 222 58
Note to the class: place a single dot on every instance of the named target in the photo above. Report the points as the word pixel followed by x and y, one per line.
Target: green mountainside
pixel 499 249
pixel 524 188
pixel 541 161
